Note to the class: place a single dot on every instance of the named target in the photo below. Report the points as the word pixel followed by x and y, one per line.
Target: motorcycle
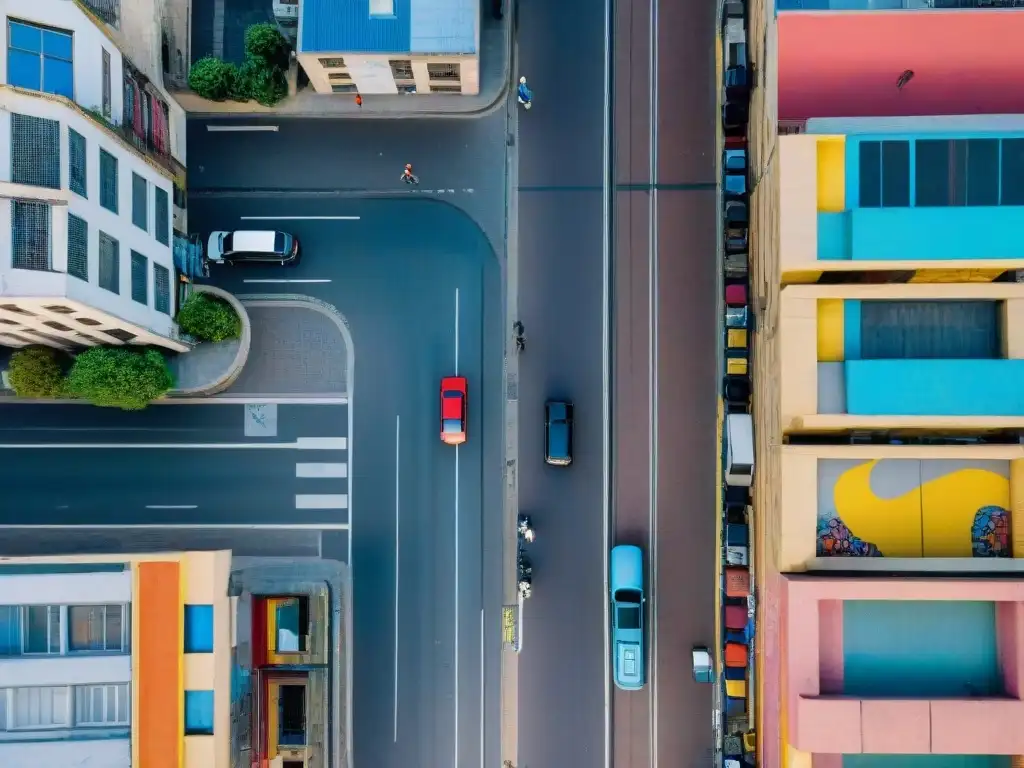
pixel 525 529
pixel 524 93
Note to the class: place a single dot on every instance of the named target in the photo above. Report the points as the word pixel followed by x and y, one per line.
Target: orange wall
pixel 158 688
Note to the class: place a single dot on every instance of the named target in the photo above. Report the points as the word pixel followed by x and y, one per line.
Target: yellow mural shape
pixel 933 520
pixel 832 175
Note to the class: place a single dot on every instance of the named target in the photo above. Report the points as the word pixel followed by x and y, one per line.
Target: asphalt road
pixel 562 668
pixel 664 345
pixel 419 285
pixel 174 465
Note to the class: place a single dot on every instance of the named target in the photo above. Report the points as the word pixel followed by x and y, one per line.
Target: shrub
pixel 264 41
pixel 36 372
pixel 120 377
pixel 208 318
pixel 266 83
pixel 212 78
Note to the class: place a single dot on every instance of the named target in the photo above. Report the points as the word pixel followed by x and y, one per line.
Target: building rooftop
pixel 847 64
pixel 389 26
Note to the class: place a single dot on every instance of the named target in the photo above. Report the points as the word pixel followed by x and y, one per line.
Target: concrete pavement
pixel 419 287
pixel 563 664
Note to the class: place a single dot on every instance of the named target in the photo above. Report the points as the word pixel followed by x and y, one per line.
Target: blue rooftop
pixel 417 26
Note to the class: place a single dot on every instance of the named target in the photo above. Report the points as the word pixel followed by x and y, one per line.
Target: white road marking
pixel 246 399
pixel 172 506
pixel 482 669
pixel 241 128
pixel 606 259
pixel 322 443
pixel 331 443
pixel 321 501
pixel 325 469
pixel 398 437
pixel 272 280
pixel 653 335
pixel 205 526
pixel 456 664
pixel 299 218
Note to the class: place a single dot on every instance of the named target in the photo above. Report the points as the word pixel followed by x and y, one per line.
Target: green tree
pixel 120 377
pixel 266 84
pixel 208 318
pixel 213 79
pixel 264 41
pixel 36 372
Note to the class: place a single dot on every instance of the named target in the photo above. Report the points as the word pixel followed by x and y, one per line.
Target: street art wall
pixel 913 508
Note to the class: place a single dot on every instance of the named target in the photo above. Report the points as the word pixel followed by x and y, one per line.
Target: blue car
pixel 627 586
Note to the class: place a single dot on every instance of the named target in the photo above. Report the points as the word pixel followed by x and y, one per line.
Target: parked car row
pixel 738 604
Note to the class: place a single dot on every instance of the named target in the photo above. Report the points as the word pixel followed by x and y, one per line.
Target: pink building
pixel 885 666
pixel 845 64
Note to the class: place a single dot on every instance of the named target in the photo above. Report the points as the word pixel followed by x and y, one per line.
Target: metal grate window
pixel 30 235
pixel 446 89
pixel 161 289
pixel 35 151
pixel 140 278
pixel 78 247
pixel 344 88
pixel 332 63
pixel 401 69
pixel 77 163
pixel 106 83
pixel 110 263
pixel 108 181
pixel 161 216
pixel 140 217
pixel 443 71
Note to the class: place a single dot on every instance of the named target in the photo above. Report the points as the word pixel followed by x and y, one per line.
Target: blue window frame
pixel 198 629
pixel 40 59
pixel 198 713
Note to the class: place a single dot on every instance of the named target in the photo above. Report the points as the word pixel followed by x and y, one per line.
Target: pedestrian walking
pixel 359 100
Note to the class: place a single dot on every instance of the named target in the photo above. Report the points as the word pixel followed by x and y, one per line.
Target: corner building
pixel 888 366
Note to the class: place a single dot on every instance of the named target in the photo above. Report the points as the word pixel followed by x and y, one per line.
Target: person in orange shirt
pixel 359 100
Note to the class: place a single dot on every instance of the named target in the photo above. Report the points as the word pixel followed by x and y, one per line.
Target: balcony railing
pixel 109 11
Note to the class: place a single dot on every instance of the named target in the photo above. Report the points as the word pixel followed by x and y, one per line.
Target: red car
pixel 453 410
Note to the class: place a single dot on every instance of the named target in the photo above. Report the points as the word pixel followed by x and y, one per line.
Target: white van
pixel 243 247
pixel 739 449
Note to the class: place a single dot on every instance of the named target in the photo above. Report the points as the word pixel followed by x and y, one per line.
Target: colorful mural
pixel 913 508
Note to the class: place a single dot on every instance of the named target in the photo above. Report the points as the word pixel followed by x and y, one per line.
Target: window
pixel 140 217
pixel 16 310
pixel 119 333
pixel 95 628
pixel 955 172
pixel 39 708
pixel 59 309
pixel 884 174
pixel 401 69
pixel 446 89
pixel 106 83
pixel 161 289
pixel 291 625
pixel 102 705
pixel 198 713
pixel 77 163
pixel 339 76
pixel 78 247
pixel 198 629
pixel 161 218
pixel 40 59
pixel 335 63
pixel 30 235
pixel 40 629
pixel 108 181
pixel 140 278
pixel 55 325
pixel 88 321
pixel 443 71
pixel 382 7
pixel 344 88
pixel 110 263
pixel 35 151
pixel 1013 172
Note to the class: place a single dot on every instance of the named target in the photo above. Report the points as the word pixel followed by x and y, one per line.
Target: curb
pixel 245 342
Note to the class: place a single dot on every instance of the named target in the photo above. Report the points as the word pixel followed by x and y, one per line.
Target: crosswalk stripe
pixel 322 443
pixel 321 469
pixel 321 501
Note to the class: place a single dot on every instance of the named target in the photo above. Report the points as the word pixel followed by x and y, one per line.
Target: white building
pixel 90 150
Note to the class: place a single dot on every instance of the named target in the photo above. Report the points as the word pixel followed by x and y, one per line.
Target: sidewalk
pixel 495 66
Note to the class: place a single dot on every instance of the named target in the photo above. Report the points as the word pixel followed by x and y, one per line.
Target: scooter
pixel 525 529
pixel 524 93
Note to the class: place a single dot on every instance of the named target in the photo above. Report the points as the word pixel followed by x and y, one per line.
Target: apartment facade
pixel 886 362
pixel 390 46
pixel 88 172
pixel 115 661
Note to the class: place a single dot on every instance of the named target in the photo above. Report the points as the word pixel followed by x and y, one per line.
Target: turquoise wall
pixel 903 648
pixel 935 387
pixel 926 761
pixel 925 234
